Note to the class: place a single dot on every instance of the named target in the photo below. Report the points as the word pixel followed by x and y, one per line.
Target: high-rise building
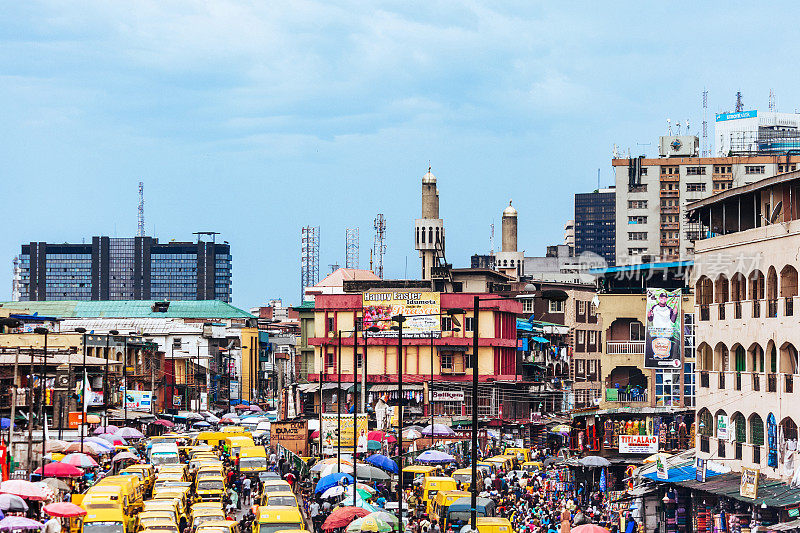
pixel 138 268
pixel 594 223
pixel 651 195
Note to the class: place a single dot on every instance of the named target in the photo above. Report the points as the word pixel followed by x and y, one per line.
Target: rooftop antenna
pixel 669 127
pixel 309 258
pixel 687 126
pixel 739 103
pixel 705 123
pixel 140 233
pixel 379 244
pixel 351 248
pixel 771 100
pixel 491 239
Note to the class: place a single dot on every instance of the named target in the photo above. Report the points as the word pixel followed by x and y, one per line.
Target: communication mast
pixel 491 239
pixel 771 100
pixel 739 103
pixel 140 233
pixel 351 248
pixel 379 246
pixel 309 258
pixel 705 151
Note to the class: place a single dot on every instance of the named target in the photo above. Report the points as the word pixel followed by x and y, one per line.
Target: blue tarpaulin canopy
pixel 683 472
pixel 540 339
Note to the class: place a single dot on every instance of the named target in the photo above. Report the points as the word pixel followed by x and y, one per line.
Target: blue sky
pixel 256 118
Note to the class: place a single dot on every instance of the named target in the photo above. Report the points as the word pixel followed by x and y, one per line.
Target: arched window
pixel 437 234
pixel 430 234
pixel 706 425
pixel 756 430
pixel 417 236
pixel 423 235
pixel 739 427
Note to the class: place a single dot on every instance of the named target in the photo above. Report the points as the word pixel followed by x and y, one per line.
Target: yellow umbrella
pixel 562 428
pixel 92 419
pixel 653 458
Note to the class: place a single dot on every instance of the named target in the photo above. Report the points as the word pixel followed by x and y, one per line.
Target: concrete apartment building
pixel 652 194
pixel 746 283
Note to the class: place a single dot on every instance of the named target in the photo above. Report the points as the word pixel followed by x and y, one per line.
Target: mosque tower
pixel 509 261
pixel 429 229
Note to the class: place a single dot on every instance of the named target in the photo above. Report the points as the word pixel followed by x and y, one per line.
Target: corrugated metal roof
pixel 130 309
pixel 773 492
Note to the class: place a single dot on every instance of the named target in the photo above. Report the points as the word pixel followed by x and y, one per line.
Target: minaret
pixel 509 261
pixel 429 229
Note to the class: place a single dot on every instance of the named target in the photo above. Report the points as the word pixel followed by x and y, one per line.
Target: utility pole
pixel 30 413
pixel 13 405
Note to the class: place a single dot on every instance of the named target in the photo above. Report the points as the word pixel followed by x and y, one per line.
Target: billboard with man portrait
pixel 663 330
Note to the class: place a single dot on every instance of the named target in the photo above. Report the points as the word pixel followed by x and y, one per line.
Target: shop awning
pixel 392 387
pixel 683 472
pixel 785 526
pixel 772 492
pixel 540 339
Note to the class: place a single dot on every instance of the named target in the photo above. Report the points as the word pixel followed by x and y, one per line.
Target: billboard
pixel 663 331
pixel 141 400
pixel 421 310
pixel 330 427
pixel 638 444
pixel 291 435
pixel 447 396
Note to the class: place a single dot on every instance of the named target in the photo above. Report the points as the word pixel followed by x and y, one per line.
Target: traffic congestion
pixel 229 478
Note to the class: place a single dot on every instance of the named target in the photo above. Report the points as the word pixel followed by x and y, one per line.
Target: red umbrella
pixel 376 435
pixel 342 516
pixel 589 528
pixel 59 470
pixel 242 407
pixel 315 434
pixel 164 422
pixel 64 509
pixel 390 439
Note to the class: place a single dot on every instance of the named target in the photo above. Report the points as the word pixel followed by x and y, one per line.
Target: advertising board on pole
pixel 421 310
pixel 291 435
pixel 139 400
pixel 663 331
pixel 330 426
pixel 638 444
pixel 748 487
pixel 447 395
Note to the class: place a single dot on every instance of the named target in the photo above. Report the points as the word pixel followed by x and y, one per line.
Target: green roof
pixel 128 309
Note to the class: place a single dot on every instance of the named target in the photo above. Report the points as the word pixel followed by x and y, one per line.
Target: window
pixel 722 169
pixel 360 359
pixel 580 366
pixel 593 337
pixel 527 305
pixel 330 360
pixel 331 324
pixel 592 309
pixel 692 235
pixel 447 323
pixel 637 251
pixel 642 187
pixel 592 366
pixel 637 331
pixel 637 235
pixel 447 361
pixel 581 307
pixel 695 171
pixel 688 385
pixel 695 187
pixel 359 323
pixel 669 170
pixel 581 336
pixel 556 306
pixel 754 169
pixel 668 384
pixel 469 324
pixel 722 185
pixel 637 204
pixel 637 220
pixel 787 168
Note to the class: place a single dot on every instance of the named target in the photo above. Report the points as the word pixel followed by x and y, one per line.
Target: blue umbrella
pixel 435 456
pixel 331 480
pixel 381 461
pixel 201 424
pixel 5 423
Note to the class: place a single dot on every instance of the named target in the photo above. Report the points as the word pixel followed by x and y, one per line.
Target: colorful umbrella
pixel 336 490
pixel 80 460
pixel 101 442
pixel 64 509
pixel 334 469
pixel 56 485
pixel 106 439
pixel 11 503
pixel 389 518
pixel 55 445
pixel 342 516
pixel 105 429
pixel 437 430
pixel 59 470
pixel 201 424
pixel 562 428
pixel 255 408
pixel 435 456
pixel 589 528
pixel 373 445
pixel 125 456
pixel 315 434
pixel 411 434
pixel 368 523
pixel 382 461
pixel 129 433
pixel 17 523
pixel 242 407
pixel 24 489
pixel 320 465
pixel 89 447
pixel 331 480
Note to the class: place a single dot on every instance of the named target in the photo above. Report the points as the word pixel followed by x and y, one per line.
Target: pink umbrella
pixel 164 422
pixel 64 509
pixel 105 429
pixel 129 433
pixel 242 407
pixel 254 407
pixel 24 489
pixel 80 460
pixel 59 470
pixel 19 523
pixel 89 447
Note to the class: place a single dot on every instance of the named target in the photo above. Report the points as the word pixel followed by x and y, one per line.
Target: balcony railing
pixel 788 383
pixel 628 397
pixel 704 313
pixel 788 306
pixel 737 310
pixel 625 347
pixel 756 308
pixel 738 381
pixel 721 310
pixel 722 380
pixel 772 382
pixel 756 382
pixel 704 379
pixel 772 308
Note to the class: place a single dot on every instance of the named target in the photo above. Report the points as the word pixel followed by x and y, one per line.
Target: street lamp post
pixel 355 409
pixel 339 402
pixel 43 413
pixel 399 319
pixel 82 331
pixel 125 381
pixel 473 513
pixel 106 387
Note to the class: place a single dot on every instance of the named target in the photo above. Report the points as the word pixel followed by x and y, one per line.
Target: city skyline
pixel 256 120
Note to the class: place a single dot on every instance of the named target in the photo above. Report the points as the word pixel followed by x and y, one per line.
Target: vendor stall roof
pixel 632 411
pixel 772 492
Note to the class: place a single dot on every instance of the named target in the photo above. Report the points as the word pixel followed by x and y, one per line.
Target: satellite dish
pixel 776 212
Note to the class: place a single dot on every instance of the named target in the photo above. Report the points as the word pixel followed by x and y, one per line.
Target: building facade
pixel 594 226
pixel 138 268
pixel 746 283
pixel 652 194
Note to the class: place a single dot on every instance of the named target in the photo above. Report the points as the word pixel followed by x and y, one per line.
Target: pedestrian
pixel 246 485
